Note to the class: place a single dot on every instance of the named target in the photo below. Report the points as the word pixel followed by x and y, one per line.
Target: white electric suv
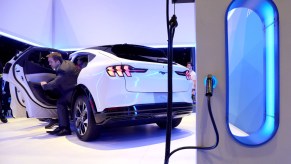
pixel 122 85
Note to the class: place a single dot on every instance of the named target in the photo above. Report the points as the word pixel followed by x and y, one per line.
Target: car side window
pixel 39 58
pixel 81 61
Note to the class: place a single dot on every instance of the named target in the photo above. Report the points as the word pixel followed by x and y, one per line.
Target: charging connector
pixel 209 85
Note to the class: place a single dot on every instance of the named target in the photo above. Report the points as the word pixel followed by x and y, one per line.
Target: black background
pixel 9 47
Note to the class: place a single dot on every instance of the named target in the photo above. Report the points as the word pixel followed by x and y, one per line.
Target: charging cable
pixel 210 82
pixel 171 26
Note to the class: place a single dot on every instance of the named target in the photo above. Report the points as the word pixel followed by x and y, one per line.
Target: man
pixel 64 82
pixel 193 77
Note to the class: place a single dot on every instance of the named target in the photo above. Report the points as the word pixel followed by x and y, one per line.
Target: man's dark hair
pixel 56 56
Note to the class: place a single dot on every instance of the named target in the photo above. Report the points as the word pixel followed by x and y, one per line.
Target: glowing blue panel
pixel 252 70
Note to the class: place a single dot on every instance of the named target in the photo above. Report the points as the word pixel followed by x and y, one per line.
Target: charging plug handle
pixel 209 85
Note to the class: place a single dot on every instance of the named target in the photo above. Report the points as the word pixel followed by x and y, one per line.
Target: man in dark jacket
pixel 64 82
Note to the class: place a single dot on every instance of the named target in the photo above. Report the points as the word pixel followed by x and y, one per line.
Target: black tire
pixel 175 123
pixel 86 128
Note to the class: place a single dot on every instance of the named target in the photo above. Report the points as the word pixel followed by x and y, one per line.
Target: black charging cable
pixel 171 25
pixel 209 92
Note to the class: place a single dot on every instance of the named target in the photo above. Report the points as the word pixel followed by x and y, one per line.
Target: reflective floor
pixel 26 141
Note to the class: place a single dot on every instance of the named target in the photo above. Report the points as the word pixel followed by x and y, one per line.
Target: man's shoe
pixel 64 132
pixel 3 119
pixel 56 131
pixel 51 123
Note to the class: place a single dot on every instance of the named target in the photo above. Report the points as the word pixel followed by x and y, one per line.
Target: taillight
pixel 184 73
pixel 120 70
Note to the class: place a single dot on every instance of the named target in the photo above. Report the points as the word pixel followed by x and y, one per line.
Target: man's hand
pixel 43 83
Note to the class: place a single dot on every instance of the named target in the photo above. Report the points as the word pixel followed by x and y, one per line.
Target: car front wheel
pixel 85 126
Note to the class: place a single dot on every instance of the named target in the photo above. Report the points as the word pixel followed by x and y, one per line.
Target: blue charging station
pixel 252 70
pixel 247 48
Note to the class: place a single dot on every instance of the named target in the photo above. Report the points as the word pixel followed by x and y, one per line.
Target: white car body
pixel 137 96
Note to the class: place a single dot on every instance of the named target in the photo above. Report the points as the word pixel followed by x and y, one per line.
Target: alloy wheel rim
pixel 81 117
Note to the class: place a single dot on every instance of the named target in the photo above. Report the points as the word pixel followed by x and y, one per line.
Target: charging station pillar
pixel 211 59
